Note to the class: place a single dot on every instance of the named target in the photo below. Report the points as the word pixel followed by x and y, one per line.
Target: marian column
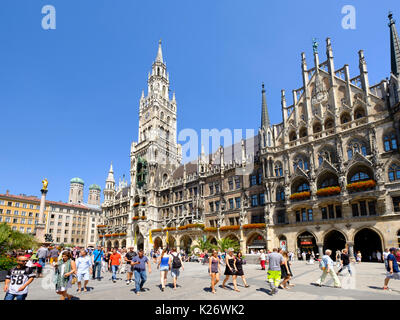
pixel 40 227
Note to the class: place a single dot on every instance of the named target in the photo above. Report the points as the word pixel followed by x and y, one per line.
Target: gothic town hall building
pixel 327 176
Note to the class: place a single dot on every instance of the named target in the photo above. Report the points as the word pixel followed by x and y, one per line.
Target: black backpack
pixel 176 262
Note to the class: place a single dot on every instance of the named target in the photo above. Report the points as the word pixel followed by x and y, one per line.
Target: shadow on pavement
pixel 267 291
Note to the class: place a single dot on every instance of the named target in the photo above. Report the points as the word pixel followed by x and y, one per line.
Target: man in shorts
pixel 129 269
pixel 274 261
pixel 392 268
pixel 83 269
pixel 177 263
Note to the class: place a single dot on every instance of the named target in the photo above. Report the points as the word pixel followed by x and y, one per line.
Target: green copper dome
pixel 77 180
pixel 94 186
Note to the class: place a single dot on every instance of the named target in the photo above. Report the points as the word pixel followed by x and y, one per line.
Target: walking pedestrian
pixel 239 268
pixel 139 268
pixel 393 271
pixel 64 271
pixel 358 257
pixel 326 265
pixel 385 255
pixel 286 273
pixel 262 259
pixel 177 263
pixel 114 262
pixel 18 279
pixel 214 269
pixel 129 269
pixel 98 256
pixel 344 262
pixel 84 269
pixel 304 256
pixel 53 255
pixel 164 264
pixel 379 256
pixel 275 260
pixel 42 255
pixel 230 269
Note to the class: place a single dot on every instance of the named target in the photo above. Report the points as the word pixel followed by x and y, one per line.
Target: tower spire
pixel 264 110
pixel 159 57
pixel 111 174
pixel 394 46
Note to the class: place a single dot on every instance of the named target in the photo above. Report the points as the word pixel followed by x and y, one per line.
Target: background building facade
pixel 327 176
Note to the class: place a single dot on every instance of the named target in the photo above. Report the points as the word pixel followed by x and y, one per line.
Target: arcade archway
pixel 256 242
pixel 157 243
pixel 367 241
pixel 334 240
pixel 306 242
pixel 185 243
pixel 109 245
pixel 116 244
pixel 171 242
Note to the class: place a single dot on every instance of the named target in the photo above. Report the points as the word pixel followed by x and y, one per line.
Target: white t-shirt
pixel 262 256
pixel 385 255
pixel 18 277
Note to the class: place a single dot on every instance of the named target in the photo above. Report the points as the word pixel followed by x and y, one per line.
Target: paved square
pixel 194 283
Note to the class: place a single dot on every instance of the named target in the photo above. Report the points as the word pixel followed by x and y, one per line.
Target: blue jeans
pixel 10 296
pixel 140 279
pixel 114 272
pixel 42 261
pixel 97 266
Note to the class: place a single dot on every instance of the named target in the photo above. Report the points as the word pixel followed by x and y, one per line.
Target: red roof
pixel 36 199
pixel 30 198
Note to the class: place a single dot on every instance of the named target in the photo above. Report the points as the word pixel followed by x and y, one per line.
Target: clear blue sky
pixel 69 97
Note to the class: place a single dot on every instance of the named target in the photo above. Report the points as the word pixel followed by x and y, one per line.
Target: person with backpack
pixel 326 265
pixel 177 263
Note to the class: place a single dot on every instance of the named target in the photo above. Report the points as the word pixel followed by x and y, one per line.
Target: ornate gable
pixel 358 157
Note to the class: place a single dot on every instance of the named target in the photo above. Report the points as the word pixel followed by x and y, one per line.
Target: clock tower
pixel 156 154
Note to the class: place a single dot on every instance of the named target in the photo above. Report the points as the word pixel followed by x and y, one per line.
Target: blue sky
pixel 69 97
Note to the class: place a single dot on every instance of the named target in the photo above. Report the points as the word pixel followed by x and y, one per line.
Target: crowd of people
pixel 78 265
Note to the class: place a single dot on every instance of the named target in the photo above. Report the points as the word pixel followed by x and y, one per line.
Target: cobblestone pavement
pixel 194 283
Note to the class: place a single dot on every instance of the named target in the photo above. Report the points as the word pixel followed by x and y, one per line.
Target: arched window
pixel 360 176
pixel 301 163
pixel 303 132
pixel 317 127
pixel 356 146
pixel 359 113
pixel 303 187
pixel 269 139
pixel 278 169
pixel 265 142
pixel 292 136
pixel 345 118
pixel 162 115
pixel 394 172
pixel 390 142
pixel 329 182
pixel 280 194
pixel 328 124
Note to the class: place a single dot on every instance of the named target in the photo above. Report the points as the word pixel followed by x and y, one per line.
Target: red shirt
pixel 114 258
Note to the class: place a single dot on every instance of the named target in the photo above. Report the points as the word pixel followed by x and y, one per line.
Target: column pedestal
pixel 40 227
